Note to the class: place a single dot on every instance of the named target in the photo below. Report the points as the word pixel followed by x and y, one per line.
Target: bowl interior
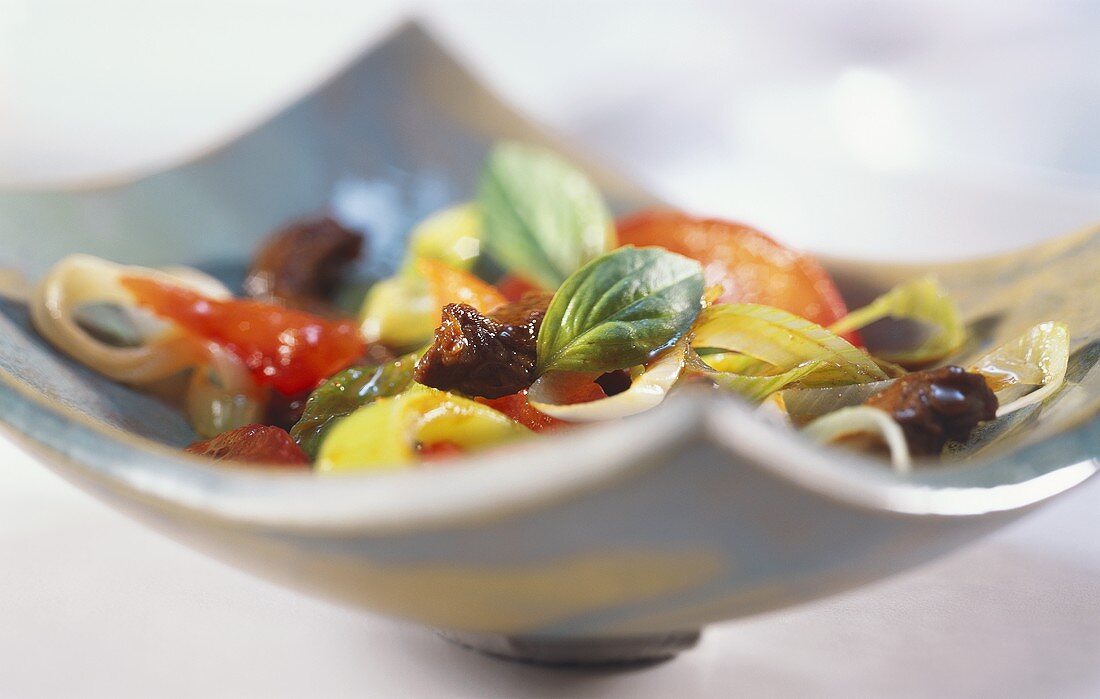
pixel 402 132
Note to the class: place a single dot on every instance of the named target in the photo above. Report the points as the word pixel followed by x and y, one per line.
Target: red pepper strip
pixel 439 451
pixel 516 407
pixel 289 350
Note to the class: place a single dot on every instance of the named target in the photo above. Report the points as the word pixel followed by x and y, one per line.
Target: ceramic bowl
pixel 617 542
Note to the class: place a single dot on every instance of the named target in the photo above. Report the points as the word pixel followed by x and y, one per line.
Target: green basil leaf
pixel 543 219
pixel 343 393
pixel 618 309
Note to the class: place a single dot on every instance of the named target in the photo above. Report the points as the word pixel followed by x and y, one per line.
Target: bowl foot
pixel 643 649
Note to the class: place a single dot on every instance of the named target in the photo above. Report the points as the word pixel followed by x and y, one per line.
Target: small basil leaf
pixel 618 309
pixel 543 219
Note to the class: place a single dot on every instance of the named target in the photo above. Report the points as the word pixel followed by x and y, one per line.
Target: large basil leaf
pixel 543 219
pixel 344 393
pixel 618 309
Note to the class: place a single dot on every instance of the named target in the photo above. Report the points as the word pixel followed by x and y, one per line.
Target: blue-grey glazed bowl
pixel 616 542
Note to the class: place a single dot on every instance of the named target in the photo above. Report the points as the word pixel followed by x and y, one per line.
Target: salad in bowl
pixel 525 311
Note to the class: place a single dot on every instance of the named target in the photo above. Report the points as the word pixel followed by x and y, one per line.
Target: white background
pixel 897 129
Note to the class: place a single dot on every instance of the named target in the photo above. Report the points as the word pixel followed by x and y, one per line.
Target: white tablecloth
pixel 719 106
pixel 94 605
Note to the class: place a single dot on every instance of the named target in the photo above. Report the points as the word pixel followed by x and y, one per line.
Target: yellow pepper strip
pixel 384 435
pixel 401 311
pixel 452 236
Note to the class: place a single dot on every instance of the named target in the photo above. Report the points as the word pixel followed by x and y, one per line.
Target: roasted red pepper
pixel 516 407
pixel 750 266
pixel 289 350
pixel 439 451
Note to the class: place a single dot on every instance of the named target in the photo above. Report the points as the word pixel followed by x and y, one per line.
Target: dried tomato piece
pixel 255 444
pixel 516 407
pixel 477 356
pixel 480 355
pixel 301 265
pixel 937 405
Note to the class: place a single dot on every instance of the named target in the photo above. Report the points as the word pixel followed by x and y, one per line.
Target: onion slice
pixel 645 392
pixel 79 280
pixel 805 404
pixel 784 341
pixel 922 300
pixel 863 419
pixel 1039 356
pixel 756 388
pixel 223 395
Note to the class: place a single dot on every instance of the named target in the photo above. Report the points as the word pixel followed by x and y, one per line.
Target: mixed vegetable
pixel 529 310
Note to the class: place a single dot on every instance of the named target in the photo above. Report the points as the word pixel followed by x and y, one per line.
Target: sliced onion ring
pixel 223 395
pixel 645 392
pixel 1040 354
pixel 82 279
pixel 863 419
pixel 805 404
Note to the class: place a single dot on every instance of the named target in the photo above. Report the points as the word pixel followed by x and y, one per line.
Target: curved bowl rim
pixel 491 484
pixel 488 484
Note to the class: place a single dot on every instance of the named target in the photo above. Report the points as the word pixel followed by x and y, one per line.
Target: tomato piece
pixel 514 288
pixel 750 266
pixel 290 350
pixel 517 408
pixel 256 444
pixel 438 451
pixel 448 284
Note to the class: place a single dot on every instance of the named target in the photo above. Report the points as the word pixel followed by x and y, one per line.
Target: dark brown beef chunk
pixel 487 356
pixel 937 405
pixel 301 265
